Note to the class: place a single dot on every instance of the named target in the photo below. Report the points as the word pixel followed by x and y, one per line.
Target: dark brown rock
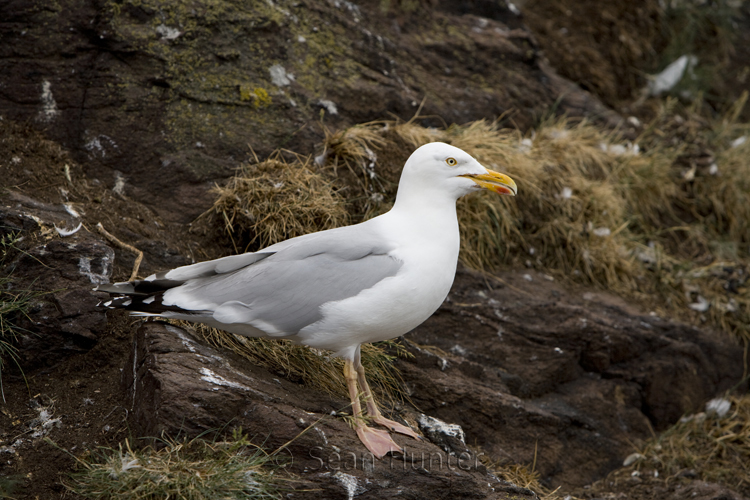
pixel 178 385
pixel 59 274
pixel 550 377
pixel 164 110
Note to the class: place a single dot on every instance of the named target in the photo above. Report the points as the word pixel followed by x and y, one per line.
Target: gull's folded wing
pixel 278 290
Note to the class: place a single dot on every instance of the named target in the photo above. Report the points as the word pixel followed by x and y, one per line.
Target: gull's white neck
pixel 429 207
pixel 426 215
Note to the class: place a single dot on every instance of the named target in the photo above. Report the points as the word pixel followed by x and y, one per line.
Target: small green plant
pixel 9 485
pixel 193 469
pixel 13 305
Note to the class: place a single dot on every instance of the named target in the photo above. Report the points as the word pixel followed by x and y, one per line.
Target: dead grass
pixel 313 367
pixel 353 147
pixel 525 477
pixel 715 447
pixel 350 156
pixel 274 200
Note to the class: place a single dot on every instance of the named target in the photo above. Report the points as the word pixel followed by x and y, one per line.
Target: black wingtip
pixel 138 287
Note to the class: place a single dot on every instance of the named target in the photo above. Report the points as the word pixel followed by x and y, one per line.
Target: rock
pixel 571 381
pixel 159 113
pixel 702 490
pixel 58 195
pixel 450 437
pixel 59 274
pixel 549 377
pixel 177 384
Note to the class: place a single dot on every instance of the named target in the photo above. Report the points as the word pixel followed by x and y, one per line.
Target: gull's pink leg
pixel 374 412
pixel 379 442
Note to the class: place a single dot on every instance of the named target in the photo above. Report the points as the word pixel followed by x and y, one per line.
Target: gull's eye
pixel 451 162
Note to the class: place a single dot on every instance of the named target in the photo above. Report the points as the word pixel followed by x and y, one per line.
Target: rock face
pixel 526 370
pixel 159 100
pixel 58 274
pixel 177 384
pixel 525 367
pixel 531 370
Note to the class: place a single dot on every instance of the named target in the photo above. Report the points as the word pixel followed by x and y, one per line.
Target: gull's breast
pixel 392 307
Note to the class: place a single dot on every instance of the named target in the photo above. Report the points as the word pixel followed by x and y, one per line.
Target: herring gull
pixel 339 288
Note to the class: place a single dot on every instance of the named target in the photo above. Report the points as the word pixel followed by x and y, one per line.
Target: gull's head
pixel 441 168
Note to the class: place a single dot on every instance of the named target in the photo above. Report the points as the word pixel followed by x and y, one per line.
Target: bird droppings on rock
pixel 96 276
pixel 209 376
pixel 450 437
pixel 350 483
pixel 718 407
pixel 279 76
pixel 49 109
pixel 329 106
pixel 119 187
pixel 167 32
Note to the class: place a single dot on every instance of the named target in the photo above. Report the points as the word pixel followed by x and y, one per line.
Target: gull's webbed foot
pixel 378 441
pixel 395 426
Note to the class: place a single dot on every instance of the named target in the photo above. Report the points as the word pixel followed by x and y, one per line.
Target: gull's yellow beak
pixel 494 181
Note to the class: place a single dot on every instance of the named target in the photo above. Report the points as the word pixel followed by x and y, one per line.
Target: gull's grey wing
pixel 282 293
pixel 301 245
pixel 212 267
pixel 175 277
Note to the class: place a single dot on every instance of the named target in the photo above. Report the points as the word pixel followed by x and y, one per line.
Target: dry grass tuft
pixel 274 200
pixel 715 447
pixel 350 154
pixel 313 367
pixel 188 469
pixel 525 477
pixel 416 135
pixel 354 146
